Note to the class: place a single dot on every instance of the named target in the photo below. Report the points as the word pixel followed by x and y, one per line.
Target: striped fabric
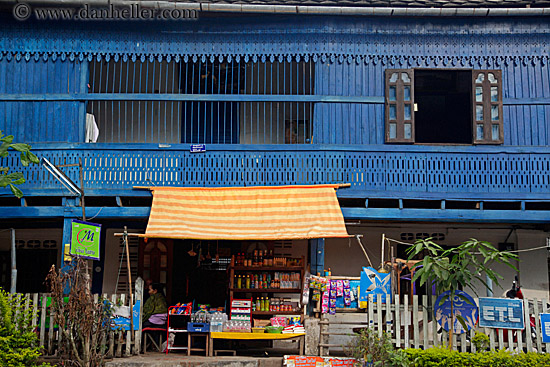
pixel 246 213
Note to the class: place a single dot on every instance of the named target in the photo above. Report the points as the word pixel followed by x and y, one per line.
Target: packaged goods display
pixel 264 258
pixel 265 280
pixel 181 309
pixel 237 326
pixel 217 321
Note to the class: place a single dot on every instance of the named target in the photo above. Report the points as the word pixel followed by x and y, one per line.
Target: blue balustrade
pixel 373 171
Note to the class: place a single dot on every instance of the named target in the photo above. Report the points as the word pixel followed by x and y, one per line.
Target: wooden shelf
pixel 269 268
pixel 276 312
pixel 265 290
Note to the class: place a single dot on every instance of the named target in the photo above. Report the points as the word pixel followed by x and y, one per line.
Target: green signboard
pixel 85 239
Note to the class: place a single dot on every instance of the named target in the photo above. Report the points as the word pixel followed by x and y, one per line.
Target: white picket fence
pixel 118 343
pixel 409 326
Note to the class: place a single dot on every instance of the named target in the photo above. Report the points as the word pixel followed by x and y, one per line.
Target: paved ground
pixel 180 360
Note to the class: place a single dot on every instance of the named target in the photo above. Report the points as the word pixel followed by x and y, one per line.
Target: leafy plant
pixel 83 321
pixel 19 345
pixel 369 346
pixel 449 358
pixel 481 341
pixel 458 268
pixel 398 358
pixel 27 157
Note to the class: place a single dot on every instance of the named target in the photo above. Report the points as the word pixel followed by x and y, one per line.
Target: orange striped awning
pixel 246 213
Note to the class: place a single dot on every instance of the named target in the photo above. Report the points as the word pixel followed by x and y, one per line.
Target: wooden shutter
pixel 399 106
pixel 487 106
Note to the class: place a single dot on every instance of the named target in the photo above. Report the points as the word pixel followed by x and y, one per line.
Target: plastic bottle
pixel 239 281
pixel 247 281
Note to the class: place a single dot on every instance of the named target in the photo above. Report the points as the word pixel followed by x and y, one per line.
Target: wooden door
pixel 155 262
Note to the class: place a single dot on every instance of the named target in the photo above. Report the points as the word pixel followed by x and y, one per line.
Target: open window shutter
pixel 487 102
pixel 399 106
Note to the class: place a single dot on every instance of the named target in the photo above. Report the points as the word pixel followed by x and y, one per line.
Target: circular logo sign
pixel 464 306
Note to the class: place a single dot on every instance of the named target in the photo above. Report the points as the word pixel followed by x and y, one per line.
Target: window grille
pixel 202 102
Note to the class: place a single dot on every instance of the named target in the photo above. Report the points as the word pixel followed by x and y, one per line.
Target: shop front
pixel 233 260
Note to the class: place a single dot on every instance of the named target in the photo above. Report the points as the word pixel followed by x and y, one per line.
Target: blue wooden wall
pixel 526 92
pixel 350 56
pixel 59 121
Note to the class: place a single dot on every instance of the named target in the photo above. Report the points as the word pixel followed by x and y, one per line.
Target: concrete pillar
pixel 313 331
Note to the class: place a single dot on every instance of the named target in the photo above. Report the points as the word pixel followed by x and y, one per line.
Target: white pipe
pixel 303 9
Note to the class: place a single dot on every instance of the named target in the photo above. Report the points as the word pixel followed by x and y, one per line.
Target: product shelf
pixel 265 290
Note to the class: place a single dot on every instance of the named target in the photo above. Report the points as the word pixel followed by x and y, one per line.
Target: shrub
pixel 18 343
pixel 371 347
pixel 442 357
pixel 481 341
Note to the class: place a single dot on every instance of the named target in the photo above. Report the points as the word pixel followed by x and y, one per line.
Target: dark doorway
pixel 444 103
pixel 33 266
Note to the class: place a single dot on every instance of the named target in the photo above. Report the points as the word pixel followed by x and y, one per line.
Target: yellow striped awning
pixel 246 213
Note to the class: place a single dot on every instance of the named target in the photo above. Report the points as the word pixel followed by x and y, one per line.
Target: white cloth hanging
pixel 92 131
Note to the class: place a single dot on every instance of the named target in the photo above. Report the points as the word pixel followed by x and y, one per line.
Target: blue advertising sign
pixel 197 148
pixel 465 309
pixel 545 327
pixel 375 283
pixel 123 323
pixel 501 313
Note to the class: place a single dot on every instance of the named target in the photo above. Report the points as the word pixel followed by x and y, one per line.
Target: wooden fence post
pixel 43 320
pixel 425 343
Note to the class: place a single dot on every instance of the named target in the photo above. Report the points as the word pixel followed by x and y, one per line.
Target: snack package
pixel 339 288
pixel 332 310
pixel 347 296
pixel 347 301
pixel 325 285
pixel 316 295
pixel 324 309
pixel 332 293
pixel 295 320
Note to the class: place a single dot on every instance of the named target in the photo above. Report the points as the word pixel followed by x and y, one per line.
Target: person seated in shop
pixel 155 310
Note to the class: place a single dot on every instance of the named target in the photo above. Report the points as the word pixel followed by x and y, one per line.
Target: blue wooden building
pixel 437 114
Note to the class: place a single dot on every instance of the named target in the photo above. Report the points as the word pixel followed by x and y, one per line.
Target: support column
pixel 317 255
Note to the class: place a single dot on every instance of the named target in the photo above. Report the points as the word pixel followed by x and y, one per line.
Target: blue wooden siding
pixel 526 123
pixel 350 55
pixel 41 121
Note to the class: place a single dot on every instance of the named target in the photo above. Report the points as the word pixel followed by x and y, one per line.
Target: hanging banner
pixel 121 317
pixel 312 361
pixel 545 327
pixel 85 239
pixel 466 309
pixel 375 283
pixel 502 313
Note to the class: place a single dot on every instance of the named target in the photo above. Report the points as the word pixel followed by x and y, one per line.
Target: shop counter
pixel 255 336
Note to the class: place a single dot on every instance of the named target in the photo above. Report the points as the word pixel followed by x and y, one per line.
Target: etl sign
pixel 502 313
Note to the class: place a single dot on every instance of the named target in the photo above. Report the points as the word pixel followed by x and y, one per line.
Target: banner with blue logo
pixel 85 238
pixel 501 313
pixel 123 323
pixel 375 283
pixel 463 305
pixel 545 327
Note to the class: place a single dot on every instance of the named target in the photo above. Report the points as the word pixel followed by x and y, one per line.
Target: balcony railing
pixel 373 171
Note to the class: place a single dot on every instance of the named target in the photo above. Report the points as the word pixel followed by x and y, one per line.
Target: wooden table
pixel 255 336
pixel 191 336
